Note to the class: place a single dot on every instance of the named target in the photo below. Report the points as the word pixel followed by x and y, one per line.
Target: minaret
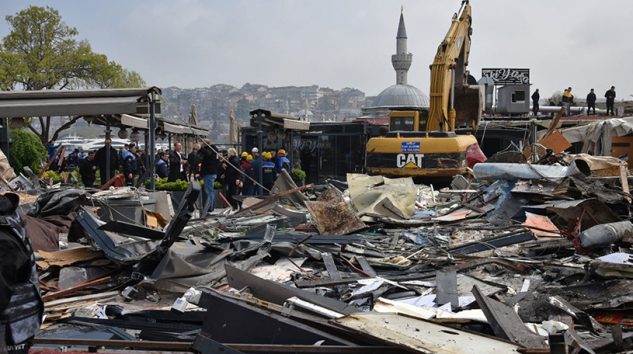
pixel 401 61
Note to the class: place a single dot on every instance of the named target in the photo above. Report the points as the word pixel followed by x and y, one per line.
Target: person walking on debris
pixel 162 166
pixel 88 170
pixel 257 169
pixel 282 162
pixel 100 157
pixel 535 98
pixel 193 163
pixel 233 178
pixel 591 102
pixel 129 164
pixel 568 99
pixel 177 164
pixel 247 168
pixel 21 307
pixel 610 96
pixel 209 170
pixel 268 172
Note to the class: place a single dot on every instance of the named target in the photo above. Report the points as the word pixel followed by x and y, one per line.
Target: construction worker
pixel 256 163
pixel 568 99
pixel 245 161
pixel 282 162
pixel 268 171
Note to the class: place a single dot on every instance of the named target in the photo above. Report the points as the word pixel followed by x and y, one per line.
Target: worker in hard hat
pixel 268 171
pixel 282 162
pixel 248 171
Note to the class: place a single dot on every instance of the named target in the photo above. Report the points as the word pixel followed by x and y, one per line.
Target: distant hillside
pixel 214 103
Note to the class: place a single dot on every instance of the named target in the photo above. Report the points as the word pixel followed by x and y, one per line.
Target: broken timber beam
pixel 507 324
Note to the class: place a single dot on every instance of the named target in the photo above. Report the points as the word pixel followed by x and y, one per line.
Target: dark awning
pixel 74 103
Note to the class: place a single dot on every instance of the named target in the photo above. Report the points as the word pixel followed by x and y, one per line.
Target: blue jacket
pixel 162 169
pixel 283 164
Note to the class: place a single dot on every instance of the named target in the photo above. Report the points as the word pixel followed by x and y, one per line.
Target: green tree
pixel 26 149
pixel 42 52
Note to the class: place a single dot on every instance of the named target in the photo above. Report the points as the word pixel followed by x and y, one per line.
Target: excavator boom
pixel 453 100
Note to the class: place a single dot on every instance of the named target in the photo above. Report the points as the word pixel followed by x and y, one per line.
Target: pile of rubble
pixel 523 258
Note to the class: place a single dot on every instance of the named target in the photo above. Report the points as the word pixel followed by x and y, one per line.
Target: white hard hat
pixel 255 150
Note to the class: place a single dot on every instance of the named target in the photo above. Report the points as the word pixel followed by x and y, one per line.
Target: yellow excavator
pixel 424 144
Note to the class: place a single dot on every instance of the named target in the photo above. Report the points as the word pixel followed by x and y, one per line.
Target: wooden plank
pixel 506 323
pixel 74 289
pixel 446 282
pixel 81 298
pixel 330 266
pixel 624 180
pixel 365 266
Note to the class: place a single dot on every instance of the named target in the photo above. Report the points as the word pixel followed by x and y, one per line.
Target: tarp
pixel 384 196
pixel 596 137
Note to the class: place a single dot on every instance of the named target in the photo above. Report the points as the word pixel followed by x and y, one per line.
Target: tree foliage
pixel 26 149
pixel 42 52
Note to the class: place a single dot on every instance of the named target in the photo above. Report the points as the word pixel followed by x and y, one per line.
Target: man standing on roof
pixel 568 99
pixel 610 96
pixel 591 102
pixel 535 98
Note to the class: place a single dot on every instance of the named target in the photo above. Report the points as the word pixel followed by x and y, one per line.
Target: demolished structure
pixel 530 258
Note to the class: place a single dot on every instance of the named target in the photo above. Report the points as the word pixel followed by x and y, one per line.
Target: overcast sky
pixel 348 43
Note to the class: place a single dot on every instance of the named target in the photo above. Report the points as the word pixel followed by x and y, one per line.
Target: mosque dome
pixel 402 96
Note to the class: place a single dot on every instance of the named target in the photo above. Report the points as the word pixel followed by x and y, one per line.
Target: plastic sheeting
pixel 596 137
pixel 387 197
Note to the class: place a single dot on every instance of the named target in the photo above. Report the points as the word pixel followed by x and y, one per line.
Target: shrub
pixel 26 149
pixel 298 174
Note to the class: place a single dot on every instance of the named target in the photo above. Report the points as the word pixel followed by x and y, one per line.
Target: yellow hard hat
pixel 282 152
pixel 244 154
pixel 249 157
pixel 267 155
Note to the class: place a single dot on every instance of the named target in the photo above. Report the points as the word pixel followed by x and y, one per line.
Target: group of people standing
pixel 567 100
pixel 238 174
pixel 129 160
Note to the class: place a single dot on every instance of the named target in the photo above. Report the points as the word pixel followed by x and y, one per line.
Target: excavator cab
pixel 408 120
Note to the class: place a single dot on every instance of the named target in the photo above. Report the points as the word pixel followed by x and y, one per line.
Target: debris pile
pixel 521 258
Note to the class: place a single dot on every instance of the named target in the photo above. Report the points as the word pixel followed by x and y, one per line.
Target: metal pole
pixel 261 150
pixel 107 151
pixel 533 140
pixel 4 137
pixel 152 139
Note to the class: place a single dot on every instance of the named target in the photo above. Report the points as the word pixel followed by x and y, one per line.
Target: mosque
pixel 401 95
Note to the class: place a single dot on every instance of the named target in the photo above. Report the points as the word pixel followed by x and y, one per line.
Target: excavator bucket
pixel 468 106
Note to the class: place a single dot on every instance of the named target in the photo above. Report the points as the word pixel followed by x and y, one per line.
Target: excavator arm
pixel 453 100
